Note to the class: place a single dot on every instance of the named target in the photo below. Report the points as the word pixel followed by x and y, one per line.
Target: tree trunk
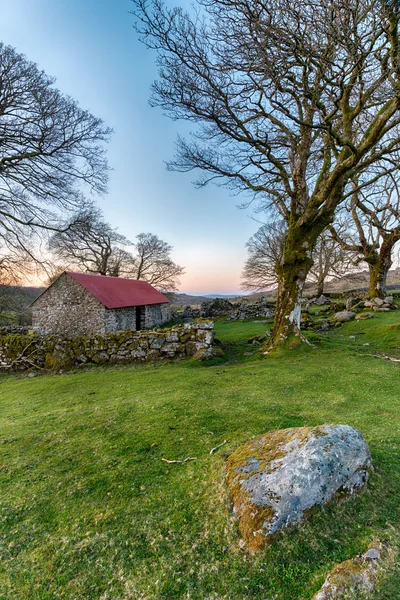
pixel 320 287
pixel 292 271
pixel 378 270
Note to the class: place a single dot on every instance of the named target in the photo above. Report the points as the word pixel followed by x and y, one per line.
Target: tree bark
pixel 378 270
pixel 320 287
pixel 292 272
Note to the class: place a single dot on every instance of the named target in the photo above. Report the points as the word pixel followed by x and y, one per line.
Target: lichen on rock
pixel 355 577
pixel 274 480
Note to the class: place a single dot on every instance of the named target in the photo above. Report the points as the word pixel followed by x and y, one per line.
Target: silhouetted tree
pixel 152 263
pixel 50 149
pixel 90 244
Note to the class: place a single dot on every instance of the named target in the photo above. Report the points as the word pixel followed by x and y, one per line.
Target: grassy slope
pixel 89 510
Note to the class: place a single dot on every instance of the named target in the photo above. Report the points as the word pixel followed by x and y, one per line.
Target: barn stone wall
pixel 67 308
pixel 119 319
pixel 155 314
pixel 21 352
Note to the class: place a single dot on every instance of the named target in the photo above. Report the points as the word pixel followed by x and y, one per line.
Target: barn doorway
pixel 138 317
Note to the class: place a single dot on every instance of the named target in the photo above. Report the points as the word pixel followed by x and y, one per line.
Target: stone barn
pixel 85 304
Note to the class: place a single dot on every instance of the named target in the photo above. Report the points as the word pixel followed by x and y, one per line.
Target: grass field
pixel 88 510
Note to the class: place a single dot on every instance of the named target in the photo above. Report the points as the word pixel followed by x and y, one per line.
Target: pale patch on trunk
pixel 294 316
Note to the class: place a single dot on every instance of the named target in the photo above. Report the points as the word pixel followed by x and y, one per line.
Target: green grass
pixel 88 510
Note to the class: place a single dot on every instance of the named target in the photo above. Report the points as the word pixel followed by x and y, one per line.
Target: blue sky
pixel 91 48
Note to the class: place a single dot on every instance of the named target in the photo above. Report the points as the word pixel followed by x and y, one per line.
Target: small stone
pixel 344 316
pixel 372 554
pixel 389 299
pixel 364 316
pixel 377 301
pixel 349 303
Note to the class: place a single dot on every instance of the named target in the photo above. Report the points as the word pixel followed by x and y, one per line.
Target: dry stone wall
pixel 21 352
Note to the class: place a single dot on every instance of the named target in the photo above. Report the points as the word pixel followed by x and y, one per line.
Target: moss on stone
pixel 257 456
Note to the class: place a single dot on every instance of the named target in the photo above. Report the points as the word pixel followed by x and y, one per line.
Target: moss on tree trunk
pixel 292 271
pixel 379 266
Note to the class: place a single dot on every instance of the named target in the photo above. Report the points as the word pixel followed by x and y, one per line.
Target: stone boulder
pixel 344 316
pixel 274 480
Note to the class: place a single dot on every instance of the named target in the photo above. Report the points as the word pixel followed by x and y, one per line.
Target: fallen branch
pixel 216 447
pixel 385 357
pixel 178 461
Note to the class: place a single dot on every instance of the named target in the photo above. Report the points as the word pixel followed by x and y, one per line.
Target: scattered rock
pixel 217 351
pixel 364 316
pixel 320 300
pixel 353 578
pixel 276 478
pixel 203 354
pixel 349 303
pixel 257 340
pixel 344 316
pixel 323 325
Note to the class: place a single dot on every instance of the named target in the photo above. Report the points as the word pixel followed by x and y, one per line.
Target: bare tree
pixel 330 261
pixel 265 248
pixel 50 150
pixel 291 99
pixel 152 263
pixel 91 244
pixel 376 230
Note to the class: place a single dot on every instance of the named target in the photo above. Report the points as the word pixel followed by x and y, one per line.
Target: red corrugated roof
pixel 116 292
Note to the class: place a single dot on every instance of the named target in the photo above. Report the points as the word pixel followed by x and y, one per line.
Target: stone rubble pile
pixel 254 310
pixel 219 307
pixel 216 308
pixel 380 305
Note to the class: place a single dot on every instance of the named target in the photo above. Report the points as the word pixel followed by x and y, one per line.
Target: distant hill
pixel 212 296
pixel 14 303
pixel 355 281
pixel 186 300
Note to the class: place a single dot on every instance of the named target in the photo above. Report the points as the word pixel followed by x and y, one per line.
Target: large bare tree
pixel 290 100
pixel 50 151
